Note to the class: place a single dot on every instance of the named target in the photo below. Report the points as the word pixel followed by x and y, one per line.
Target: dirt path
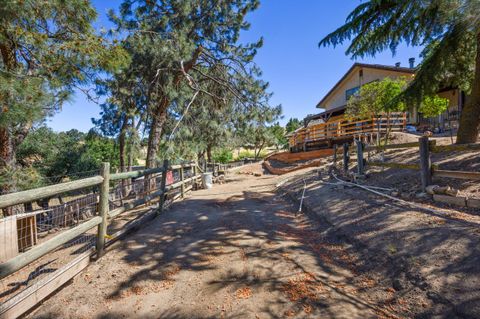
pixel 235 251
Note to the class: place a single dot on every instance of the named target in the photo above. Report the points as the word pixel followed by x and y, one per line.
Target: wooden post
pixel 346 157
pixel 360 163
pixel 334 154
pixel 194 171
pixel 425 163
pixel 163 185
pixel 103 208
pixel 183 183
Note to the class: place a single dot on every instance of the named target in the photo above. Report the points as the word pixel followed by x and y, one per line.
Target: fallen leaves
pixel 243 293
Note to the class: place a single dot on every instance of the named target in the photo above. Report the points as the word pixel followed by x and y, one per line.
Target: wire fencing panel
pixel 24 226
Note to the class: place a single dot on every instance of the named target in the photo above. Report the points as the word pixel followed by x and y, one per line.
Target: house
pixel 335 101
pixel 330 127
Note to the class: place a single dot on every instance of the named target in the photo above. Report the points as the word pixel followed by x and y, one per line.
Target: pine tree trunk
pixel 159 115
pixel 470 118
pixel 155 135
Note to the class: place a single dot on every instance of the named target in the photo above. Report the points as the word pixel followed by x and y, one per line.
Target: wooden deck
pixel 340 130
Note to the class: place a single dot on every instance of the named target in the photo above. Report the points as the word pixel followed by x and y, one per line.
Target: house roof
pixel 370 66
pixel 335 111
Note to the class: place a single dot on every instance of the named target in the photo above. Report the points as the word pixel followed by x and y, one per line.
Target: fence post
pixel 334 154
pixel 425 162
pixel 360 163
pixel 103 207
pixel 181 179
pixel 163 185
pixel 346 157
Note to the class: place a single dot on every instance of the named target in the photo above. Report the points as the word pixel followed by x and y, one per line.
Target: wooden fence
pixel 33 294
pixel 425 166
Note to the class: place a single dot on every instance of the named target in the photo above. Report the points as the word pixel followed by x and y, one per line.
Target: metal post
pixel 346 157
pixel 183 183
pixel 360 163
pixel 163 196
pixel 103 207
pixel 425 162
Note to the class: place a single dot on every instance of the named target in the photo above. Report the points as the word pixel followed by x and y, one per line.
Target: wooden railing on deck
pixel 341 128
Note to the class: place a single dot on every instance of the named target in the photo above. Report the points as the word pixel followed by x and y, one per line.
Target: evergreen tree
pixel 47 48
pixel 178 46
pixel 292 124
pixel 450 33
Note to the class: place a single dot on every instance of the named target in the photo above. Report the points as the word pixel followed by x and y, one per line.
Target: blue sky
pixel 299 72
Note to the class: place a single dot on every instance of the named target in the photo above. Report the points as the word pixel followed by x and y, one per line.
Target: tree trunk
pixel 470 118
pixel 156 127
pixel 159 115
pixel 209 153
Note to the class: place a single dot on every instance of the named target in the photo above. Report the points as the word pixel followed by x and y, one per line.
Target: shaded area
pixel 224 255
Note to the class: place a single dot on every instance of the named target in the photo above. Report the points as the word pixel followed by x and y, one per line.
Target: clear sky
pixel 299 72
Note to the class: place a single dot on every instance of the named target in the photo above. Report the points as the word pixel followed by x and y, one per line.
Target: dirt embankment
pixel 430 257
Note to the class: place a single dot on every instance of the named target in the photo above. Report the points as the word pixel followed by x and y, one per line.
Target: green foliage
pixel 245 154
pixel 433 106
pixel 48 157
pixel 292 125
pixel 278 133
pixel 379 97
pixel 47 49
pixel 222 156
pixel 188 66
pixel 375 98
pixel 448 30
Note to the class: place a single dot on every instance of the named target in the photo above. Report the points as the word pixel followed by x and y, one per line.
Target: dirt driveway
pixel 235 251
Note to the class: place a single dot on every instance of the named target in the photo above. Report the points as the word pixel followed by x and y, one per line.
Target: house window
pixel 350 92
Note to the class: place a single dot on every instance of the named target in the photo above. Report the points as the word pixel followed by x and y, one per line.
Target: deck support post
pixel 103 207
pixel 346 157
pixel 425 163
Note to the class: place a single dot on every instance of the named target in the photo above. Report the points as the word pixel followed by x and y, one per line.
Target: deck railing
pixel 342 128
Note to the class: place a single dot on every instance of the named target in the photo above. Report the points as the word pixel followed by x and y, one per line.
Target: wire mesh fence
pixel 25 226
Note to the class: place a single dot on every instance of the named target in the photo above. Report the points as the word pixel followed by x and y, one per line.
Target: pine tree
pixel 47 48
pixel 178 46
pixel 450 33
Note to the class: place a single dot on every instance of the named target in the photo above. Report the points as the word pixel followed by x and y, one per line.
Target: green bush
pixel 222 156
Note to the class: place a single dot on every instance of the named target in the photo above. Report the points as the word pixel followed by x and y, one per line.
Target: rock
pixel 430 189
pixel 405 195
pixel 473 203
pixel 421 195
pixel 398 284
pixel 458 201
pixel 395 194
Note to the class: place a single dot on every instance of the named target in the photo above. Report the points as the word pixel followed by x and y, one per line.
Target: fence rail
pixel 106 210
pixel 81 241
